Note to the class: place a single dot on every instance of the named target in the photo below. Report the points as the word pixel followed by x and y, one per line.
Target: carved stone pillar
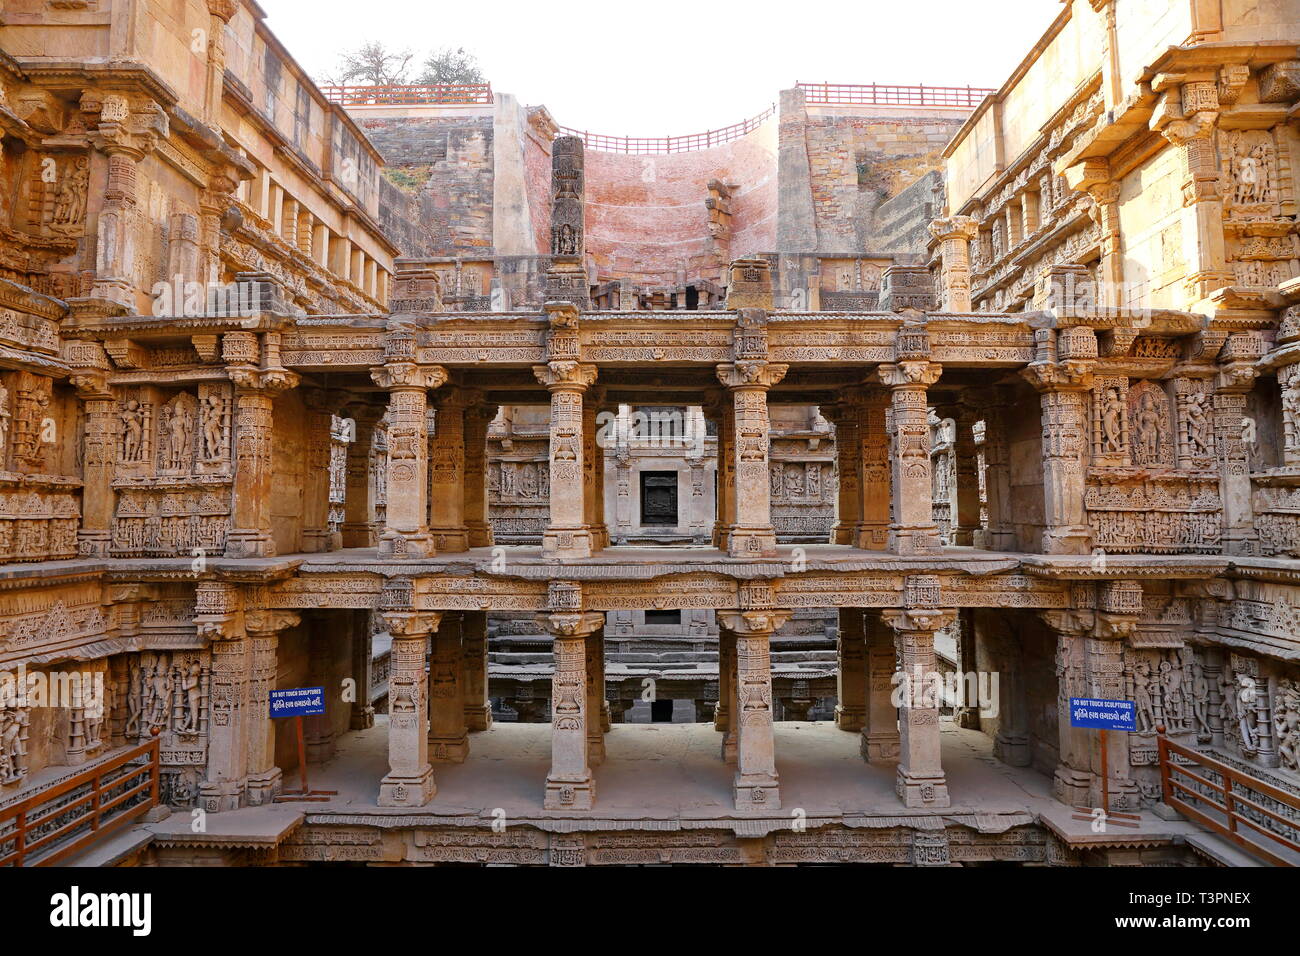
pixel 752 534
pixel 874 477
pixel 448 738
pixel 1073 782
pixel 921 780
pixel 359 507
pixel 593 470
pixel 256 381
pixel 1236 377
pixel 477 419
pixel 263 627
pixel 954 234
pixel 406 532
pixel 220 621
pixel 1011 745
pixel 363 714
pixel 570 785
pixel 316 475
pixel 594 652
pixel 880 738
pixel 726 497
pixel 1065 448
pixel 126 134
pixel 913 530
pixel 851 675
pixel 447 476
pixel 756 784
pixel 219 14
pixel 1000 535
pixel 848 454
pixel 725 719
pixel 567 535
pixel 474 674
pixel 966 521
pixel 95 536
pixel 409 782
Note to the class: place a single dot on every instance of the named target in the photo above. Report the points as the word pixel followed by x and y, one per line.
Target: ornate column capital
pixel 954 227
pixel 579 624
pixel 909 373
pixel 753 623
pixel 566 376
pixel 408 375
pixel 410 624
pixel 270 621
pixel 912 620
pixel 751 374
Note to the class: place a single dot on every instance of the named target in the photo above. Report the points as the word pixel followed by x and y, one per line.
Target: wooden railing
pixel 670 144
pixel 874 94
pixel 1231 803
pixel 438 94
pixel 60 820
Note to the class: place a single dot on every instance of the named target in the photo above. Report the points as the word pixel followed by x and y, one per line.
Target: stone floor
pixel 664 771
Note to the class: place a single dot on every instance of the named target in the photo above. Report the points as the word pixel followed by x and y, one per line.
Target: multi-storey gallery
pixel 762 496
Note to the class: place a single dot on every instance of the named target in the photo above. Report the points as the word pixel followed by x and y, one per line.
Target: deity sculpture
pixel 213 416
pixel 1198 426
pixel 1149 428
pixel 1111 419
pixel 133 431
pixel 1246 694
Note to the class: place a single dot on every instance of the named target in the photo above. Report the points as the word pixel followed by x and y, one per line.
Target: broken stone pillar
pixel 566 279
pixel 750 284
pixel 725 720
pixel 851 674
pixel 263 628
pixel 406 529
pixel 913 530
pixel 954 234
pixel 448 738
pixel 474 679
pixel 256 381
pixel 921 780
pixel 752 535
pixel 570 785
pixel 880 739
pixel 409 782
pixel 756 784
pixel 447 477
pixel 594 651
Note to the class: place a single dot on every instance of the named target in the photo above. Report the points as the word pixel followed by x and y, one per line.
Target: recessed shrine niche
pixel 173 470
pixel 1154 478
pixel 39 506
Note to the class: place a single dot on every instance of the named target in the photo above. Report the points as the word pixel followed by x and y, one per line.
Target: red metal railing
pixel 671 144
pixel 440 94
pixel 1231 803
pixel 874 94
pixel 60 820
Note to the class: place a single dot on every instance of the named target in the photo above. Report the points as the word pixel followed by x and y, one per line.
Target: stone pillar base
pixel 363 718
pixel 757 792
pixel 479 534
pixel 449 539
pixel 1075 539
pixel 249 544
pixel 606 721
pixel 564 543
pixel 927 791
pixel 478 718
pixel 1012 749
pixel 596 749
pixel 751 543
pixel 407 791
pixel 453 749
pixel 264 787
pixel 395 545
pixel 851 719
pixel 920 540
pixel 729 747
pixel 1072 787
pixel 219 797
pixel 316 540
pixel 880 747
pixel 577 794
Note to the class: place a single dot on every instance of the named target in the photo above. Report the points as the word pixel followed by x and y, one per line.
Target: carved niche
pixel 1151 426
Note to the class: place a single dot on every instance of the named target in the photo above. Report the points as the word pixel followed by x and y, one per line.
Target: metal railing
pixel 1231 803
pixel 58 821
pixel 670 144
pixel 875 94
pixel 439 94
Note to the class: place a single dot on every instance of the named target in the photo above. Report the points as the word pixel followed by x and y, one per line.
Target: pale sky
pixel 669 67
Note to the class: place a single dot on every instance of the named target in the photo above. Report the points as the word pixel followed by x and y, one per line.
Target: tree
pixel 373 64
pixel 456 66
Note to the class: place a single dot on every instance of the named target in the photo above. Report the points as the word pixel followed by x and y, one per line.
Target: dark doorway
pixel 659 498
pixel 661 711
pixel 692 297
pixel 663 617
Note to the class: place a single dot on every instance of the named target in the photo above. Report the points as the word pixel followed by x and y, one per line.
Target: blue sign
pixel 303 702
pixel 1102 714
